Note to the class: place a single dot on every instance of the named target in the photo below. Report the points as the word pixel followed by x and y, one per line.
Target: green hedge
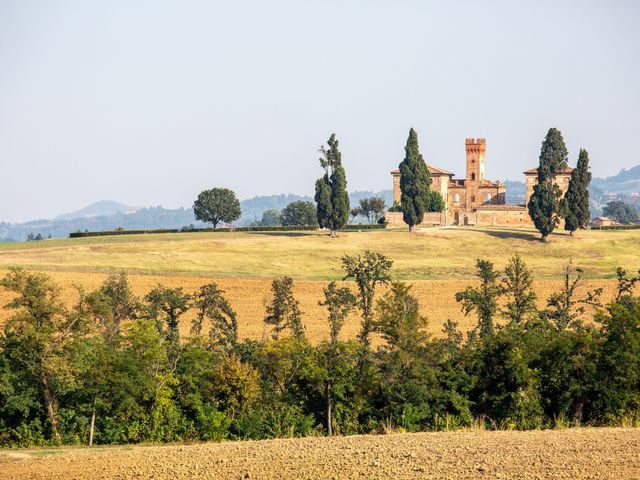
pixel 616 227
pixel 225 229
pixel 120 232
pixel 365 226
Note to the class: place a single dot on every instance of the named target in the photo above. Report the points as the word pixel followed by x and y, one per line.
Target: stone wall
pixel 498 215
pixel 394 219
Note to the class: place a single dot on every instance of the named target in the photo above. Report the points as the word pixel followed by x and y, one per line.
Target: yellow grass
pixel 438 262
pixel 249 295
pixel 428 254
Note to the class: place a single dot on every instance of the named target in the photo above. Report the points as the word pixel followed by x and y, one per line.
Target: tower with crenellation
pixel 475 149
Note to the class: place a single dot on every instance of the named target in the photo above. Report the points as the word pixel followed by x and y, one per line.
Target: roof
pixel 534 171
pixel 433 170
pixel 602 219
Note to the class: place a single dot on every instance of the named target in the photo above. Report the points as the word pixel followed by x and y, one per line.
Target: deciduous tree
pixel 217 205
pixel 300 213
pixel 482 299
pixel 284 310
pixel 368 270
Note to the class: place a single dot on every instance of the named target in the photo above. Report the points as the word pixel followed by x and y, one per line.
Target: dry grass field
pixel 607 453
pixel 429 254
pixel 248 297
pixel 438 262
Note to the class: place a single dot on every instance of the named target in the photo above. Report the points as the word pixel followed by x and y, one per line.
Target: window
pixel 473 198
pixel 487 198
pixel 456 198
pixel 473 176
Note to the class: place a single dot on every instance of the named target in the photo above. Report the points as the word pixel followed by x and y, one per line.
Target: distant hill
pixel 97 209
pixel 626 182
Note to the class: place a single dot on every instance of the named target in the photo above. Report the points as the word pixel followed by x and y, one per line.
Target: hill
pixel 109 215
pixel 245 263
pixel 98 209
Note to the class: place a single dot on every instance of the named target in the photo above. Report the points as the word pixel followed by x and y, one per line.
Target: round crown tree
pixel 217 205
pixel 544 204
pixel 414 183
pixel 576 200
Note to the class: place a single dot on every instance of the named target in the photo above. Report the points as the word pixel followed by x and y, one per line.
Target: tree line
pixel 114 368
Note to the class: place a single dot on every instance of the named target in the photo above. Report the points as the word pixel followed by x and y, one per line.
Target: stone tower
pixel 475 171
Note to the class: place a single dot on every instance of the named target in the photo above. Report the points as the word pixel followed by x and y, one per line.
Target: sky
pixel 150 102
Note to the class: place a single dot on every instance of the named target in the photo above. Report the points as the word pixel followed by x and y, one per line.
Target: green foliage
pixel 368 270
pixel 284 310
pixel 621 212
pixel 371 208
pixel 505 388
pixel 576 200
pixel 553 156
pixel 482 299
pixel 271 218
pixel 436 202
pixel 331 194
pixel 518 288
pixel 74 374
pixel 217 205
pixel 414 183
pixel 211 305
pixel 544 204
pixel 300 213
pixel 168 304
pixel 543 208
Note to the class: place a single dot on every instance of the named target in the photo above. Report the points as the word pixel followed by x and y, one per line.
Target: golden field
pixel 429 254
pixel 437 262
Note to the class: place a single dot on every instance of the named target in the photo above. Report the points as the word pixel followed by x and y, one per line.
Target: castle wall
pixel 513 215
pixel 394 219
pixel 562 180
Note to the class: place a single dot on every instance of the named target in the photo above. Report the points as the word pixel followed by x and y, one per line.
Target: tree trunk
pixel 571 233
pixel 544 238
pixel 334 233
pixel 329 408
pixel 51 409
pixel 578 412
pixel 93 422
pixel 412 228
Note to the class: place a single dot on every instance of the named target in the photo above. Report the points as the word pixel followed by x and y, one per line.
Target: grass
pixel 438 262
pixel 429 254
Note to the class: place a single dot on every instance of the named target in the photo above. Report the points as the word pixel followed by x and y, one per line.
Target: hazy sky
pixel 149 102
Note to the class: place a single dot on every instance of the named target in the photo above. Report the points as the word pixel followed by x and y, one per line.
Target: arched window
pixel 487 198
pixel 473 176
pixel 456 198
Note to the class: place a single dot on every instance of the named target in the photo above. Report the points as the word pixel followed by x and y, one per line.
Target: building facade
pixel 474 200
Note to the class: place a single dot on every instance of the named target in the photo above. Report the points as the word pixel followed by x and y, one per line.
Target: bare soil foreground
pixel 572 453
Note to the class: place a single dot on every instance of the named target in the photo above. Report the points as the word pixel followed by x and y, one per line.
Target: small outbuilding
pixel 602 222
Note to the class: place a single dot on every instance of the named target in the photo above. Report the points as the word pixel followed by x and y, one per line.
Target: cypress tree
pixel 544 204
pixel 576 200
pixel 414 183
pixel 331 189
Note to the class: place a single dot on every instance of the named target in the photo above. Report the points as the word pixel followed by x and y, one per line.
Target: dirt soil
pixel 572 454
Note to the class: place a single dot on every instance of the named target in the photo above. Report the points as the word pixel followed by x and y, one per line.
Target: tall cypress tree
pixel 576 200
pixel 544 204
pixel 331 189
pixel 414 183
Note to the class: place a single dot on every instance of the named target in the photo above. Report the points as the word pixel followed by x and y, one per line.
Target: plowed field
pixel 611 453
